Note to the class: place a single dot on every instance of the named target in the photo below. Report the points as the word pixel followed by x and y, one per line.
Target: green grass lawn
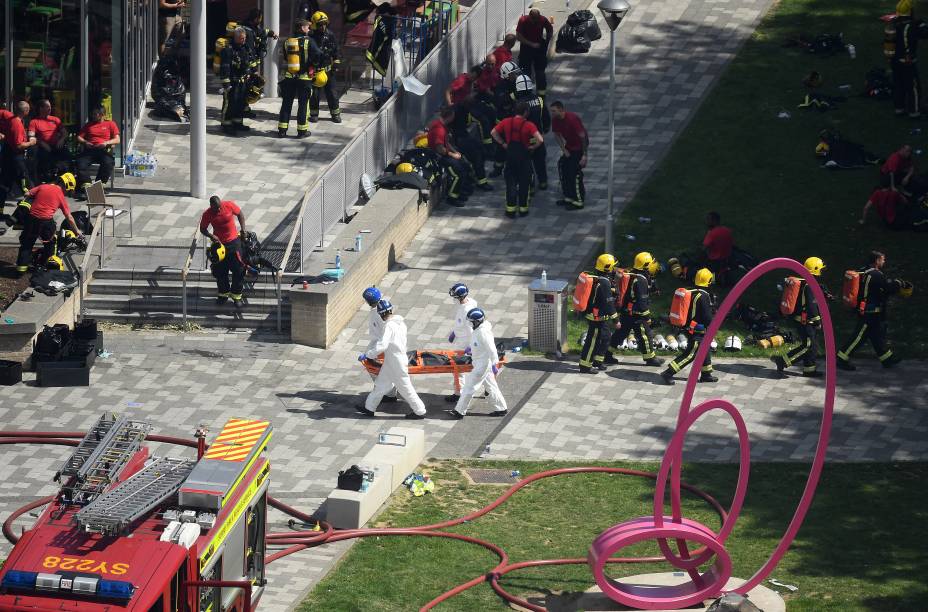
pixel 761 174
pixel 860 548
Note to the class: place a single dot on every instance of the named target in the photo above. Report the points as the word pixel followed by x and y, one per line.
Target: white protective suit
pixel 463 330
pixel 375 326
pixel 483 353
pixel 395 370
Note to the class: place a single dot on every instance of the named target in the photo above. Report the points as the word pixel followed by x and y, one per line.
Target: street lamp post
pixel 614 11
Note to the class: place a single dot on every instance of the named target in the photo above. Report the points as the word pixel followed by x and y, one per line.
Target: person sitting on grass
pixel 896 211
pixel 898 173
pixel 717 244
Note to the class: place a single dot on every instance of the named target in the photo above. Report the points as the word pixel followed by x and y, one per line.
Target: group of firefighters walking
pixel 616 304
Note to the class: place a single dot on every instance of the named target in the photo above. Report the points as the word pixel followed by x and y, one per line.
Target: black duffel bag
pixel 587 22
pixel 572 39
pixel 351 479
pixel 51 343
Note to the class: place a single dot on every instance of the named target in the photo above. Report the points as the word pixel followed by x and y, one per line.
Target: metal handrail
pixel 283 263
pixel 186 270
pixel 85 263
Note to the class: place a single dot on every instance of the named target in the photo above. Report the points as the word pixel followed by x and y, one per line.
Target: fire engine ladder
pixel 116 509
pixel 101 456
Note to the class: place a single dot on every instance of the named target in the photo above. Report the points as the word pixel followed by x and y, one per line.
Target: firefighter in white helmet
pixel 395 369
pixel 485 357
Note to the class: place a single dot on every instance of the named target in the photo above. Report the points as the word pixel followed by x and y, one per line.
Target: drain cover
pixel 480 476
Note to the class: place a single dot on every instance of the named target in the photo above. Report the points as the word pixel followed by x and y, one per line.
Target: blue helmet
pixel 476 316
pixel 384 307
pixel 372 295
pixel 458 290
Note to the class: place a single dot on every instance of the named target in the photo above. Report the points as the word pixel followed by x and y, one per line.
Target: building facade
pixel 80 53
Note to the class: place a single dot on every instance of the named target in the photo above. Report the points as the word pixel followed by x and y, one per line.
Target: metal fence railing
pixel 328 200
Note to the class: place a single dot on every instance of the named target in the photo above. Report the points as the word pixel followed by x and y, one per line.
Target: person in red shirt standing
pixel 5 116
pixel 460 171
pixel 50 137
pixel 98 137
pixel 574 141
pixel 462 96
pixel 226 250
pixel 534 32
pixel 519 137
pixel 503 53
pixel 15 173
pixel 717 244
pixel 40 223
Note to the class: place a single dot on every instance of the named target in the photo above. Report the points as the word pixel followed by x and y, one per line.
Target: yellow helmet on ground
pixel 422 142
pixel 815 265
pixel 68 181
pixel 822 149
pixel 405 168
pixel 217 253
pixel 320 79
pixel 319 17
pixel 704 277
pixel 606 263
pixel 642 260
pixel 906 289
pixel 54 263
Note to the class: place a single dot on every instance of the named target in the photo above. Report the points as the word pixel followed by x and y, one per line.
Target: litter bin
pixel 547 315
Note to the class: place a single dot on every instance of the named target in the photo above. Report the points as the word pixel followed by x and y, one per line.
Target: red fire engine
pixel 130 531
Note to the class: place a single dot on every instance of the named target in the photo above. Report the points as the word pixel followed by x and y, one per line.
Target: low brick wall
pixel 318 314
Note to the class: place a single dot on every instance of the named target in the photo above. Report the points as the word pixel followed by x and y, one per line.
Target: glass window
pixel 105 53
pixel 46 54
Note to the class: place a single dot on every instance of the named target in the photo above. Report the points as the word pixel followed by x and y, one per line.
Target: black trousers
pixel 230 266
pixel 473 152
pixel 806 351
pixel 518 175
pixel 294 89
pixel 872 327
pixel 233 104
pixel 330 98
pixel 534 62
pixel 907 88
pixel 640 329
pixel 14 175
pixel 596 343
pixel 89 157
pixel 571 175
pixel 460 173
pixel 540 163
pixel 49 164
pixel 689 354
pixel 33 230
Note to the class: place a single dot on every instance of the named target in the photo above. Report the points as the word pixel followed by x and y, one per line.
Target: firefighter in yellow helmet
pixel 635 311
pixel 700 316
pixel 42 202
pixel 328 47
pixel 808 317
pixel 301 55
pixel 599 313
pixel 907 29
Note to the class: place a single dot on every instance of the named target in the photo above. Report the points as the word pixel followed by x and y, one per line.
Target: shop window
pixel 106 60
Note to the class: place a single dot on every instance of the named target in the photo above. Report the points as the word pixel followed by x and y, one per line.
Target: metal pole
pixel 271 21
pixel 610 219
pixel 198 99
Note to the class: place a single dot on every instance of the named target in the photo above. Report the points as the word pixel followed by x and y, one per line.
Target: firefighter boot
pixel 780 363
pixel 891 361
pixel 707 377
pixel 667 376
pixel 654 361
pixel 588 370
pixel 844 364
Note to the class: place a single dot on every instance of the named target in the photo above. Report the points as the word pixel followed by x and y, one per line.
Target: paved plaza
pixel 672 53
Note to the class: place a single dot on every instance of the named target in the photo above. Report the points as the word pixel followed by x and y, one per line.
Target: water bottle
pixel 852 51
pixel 544 279
pixel 486 450
pixel 338 259
pixel 305 286
pixel 357 243
pixel 644 219
pixel 515 474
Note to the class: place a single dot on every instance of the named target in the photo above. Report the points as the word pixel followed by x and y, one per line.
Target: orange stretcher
pixel 417 364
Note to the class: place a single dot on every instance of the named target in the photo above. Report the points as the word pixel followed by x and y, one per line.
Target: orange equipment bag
pixel 850 292
pixel 790 298
pixel 680 307
pixel 582 292
pixel 623 281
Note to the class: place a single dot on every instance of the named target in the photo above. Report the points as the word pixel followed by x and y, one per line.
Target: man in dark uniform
pixel 873 299
pixel 635 318
pixel 574 141
pixel 809 318
pixel 234 70
pixel 534 32
pixel 43 201
pixel 14 173
pixel 700 315
pixel 256 37
pixel 297 85
pixel 519 137
pixel 537 114
pixel 599 313
pixel 458 168
pixel 504 101
pixel 221 216
pixel 328 46
pixel 462 95
pixel 907 87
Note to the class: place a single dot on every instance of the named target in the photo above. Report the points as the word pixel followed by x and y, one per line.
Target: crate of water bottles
pixel 142 165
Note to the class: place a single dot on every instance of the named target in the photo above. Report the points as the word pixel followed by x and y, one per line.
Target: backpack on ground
pixel 850 291
pixel 623 281
pixel 680 307
pixel 51 343
pixel 582 292
pixel 789 300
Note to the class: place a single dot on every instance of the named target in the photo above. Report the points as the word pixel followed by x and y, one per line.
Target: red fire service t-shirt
pixel 571 129
pixel 438 135
pixel 99 132
pixel 532 28
pixel 15 133
pixel 45 129
pixel 46 199
pixel 461 88
pixel 718 243
pixel 223 222
pixel 516 129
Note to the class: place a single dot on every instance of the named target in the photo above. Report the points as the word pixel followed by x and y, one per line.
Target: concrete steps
pixel 156 296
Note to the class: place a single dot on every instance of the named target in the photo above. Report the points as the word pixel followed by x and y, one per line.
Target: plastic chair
pixel 97 197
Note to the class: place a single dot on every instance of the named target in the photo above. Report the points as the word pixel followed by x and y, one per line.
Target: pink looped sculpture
pixel 681 529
